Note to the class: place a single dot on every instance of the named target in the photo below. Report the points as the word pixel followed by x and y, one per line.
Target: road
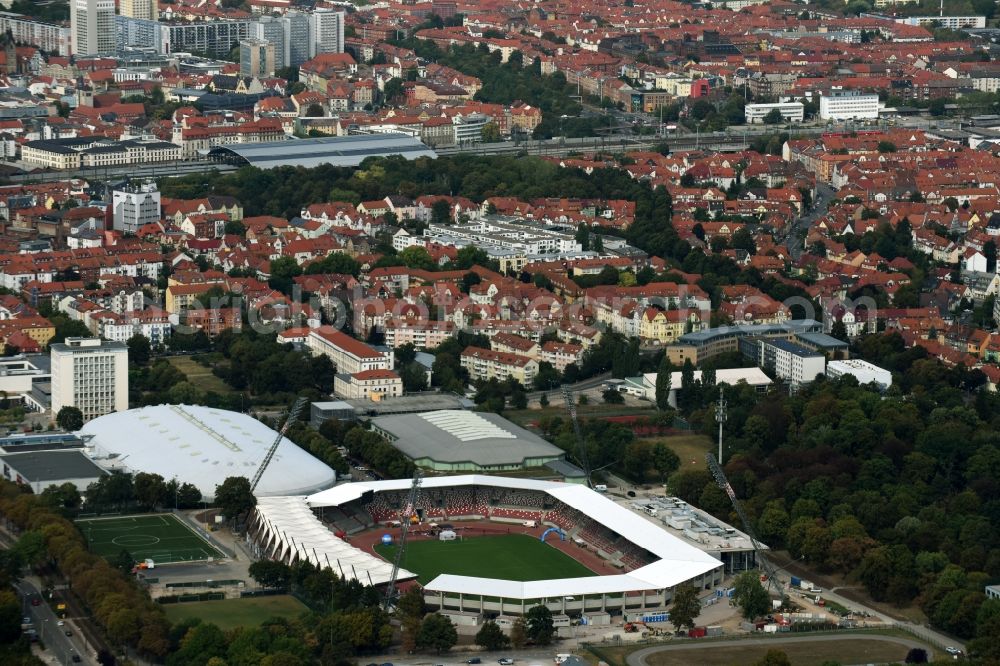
pixel 799 227
pixel 638 658
pixel 60 648
pixel 582 385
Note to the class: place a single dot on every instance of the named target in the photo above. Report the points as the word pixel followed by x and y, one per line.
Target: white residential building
pixel 848 106
pixel 134 206
pixel 92 27
pixel 863 371
pixel 350 356
pixel 90 374
pixel 51 38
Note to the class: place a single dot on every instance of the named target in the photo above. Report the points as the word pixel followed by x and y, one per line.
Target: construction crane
pixel 580 444
pixel 293 416
pixel 758 549
pixel 411 508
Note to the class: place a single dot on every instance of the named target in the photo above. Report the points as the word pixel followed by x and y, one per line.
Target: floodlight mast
pixel 409 510
pixel 293 416
pixel 580 444
pixel 758 548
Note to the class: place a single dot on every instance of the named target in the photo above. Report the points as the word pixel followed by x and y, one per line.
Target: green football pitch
pixel 510 557
pixel 162 538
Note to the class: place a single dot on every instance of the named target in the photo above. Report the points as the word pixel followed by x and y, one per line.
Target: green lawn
pixel 510 557
pixel 159 537
pixel 199 375
pixel 691 449
pixel 232 613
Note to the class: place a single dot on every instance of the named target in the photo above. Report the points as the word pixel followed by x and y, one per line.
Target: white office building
pixel 326 32
pixel 92 26
pixel 953 22
pixel 848 106
pixel 257 58
pixel 793 363
pixel 90 374
pixel 791 112
pixel 863 371
pixel 134 206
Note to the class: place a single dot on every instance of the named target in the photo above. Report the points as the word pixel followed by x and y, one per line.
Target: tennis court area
pixel 162 538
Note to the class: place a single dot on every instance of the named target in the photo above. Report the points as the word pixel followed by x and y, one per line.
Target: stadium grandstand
pixel 637 561
pixel 339 151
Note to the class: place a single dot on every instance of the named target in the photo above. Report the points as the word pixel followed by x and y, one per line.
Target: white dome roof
pixel 203 446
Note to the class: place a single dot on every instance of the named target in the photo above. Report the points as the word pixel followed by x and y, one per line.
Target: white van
pixel 601 488
pixel 651 511
pixel 560 658
pixel 530 523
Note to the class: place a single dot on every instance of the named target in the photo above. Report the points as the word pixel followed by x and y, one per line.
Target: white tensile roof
pixel 297 529
pixel 678 561
pixel 203 446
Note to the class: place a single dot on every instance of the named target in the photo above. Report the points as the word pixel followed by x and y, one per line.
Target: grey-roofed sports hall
pixel 456 440
pixel 341 151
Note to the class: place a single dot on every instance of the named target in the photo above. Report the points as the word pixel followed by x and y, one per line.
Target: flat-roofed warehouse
pixel 340 151
pixel 455 440
pixel 41 469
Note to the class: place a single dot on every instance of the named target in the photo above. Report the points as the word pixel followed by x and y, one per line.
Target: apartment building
pixel 90 374
pixel 368 385
pixel 141 9
pixel 54 39
pixel 350 356
pixel 561 354
pixel 421 334
pixel 791 112
pixel 486 364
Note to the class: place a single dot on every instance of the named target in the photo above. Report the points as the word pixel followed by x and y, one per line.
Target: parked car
pixel 505 661
pixel 953 650
pixel 474 660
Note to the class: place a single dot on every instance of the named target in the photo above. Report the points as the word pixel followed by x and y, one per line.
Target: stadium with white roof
pixel 202 446
pixel 650 561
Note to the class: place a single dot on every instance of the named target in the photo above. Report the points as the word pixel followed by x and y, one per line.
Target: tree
pixel 416 256
pixel 519 633
pixel 751 596
pixel 138 349
pixel 773 658
pixel 612 396
pixel 491 637
pixel 663 384
pixel 271 573
pixel 314 110
pixel 234 498
pixel 491 133
pixel 773 117
pixel 124 561
pixel 69 419
pixel 543 401
pixel 886 147
pixel 437 633
pixel 441 214
pixel 684 607
pixel 916 656
pixel 540 625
